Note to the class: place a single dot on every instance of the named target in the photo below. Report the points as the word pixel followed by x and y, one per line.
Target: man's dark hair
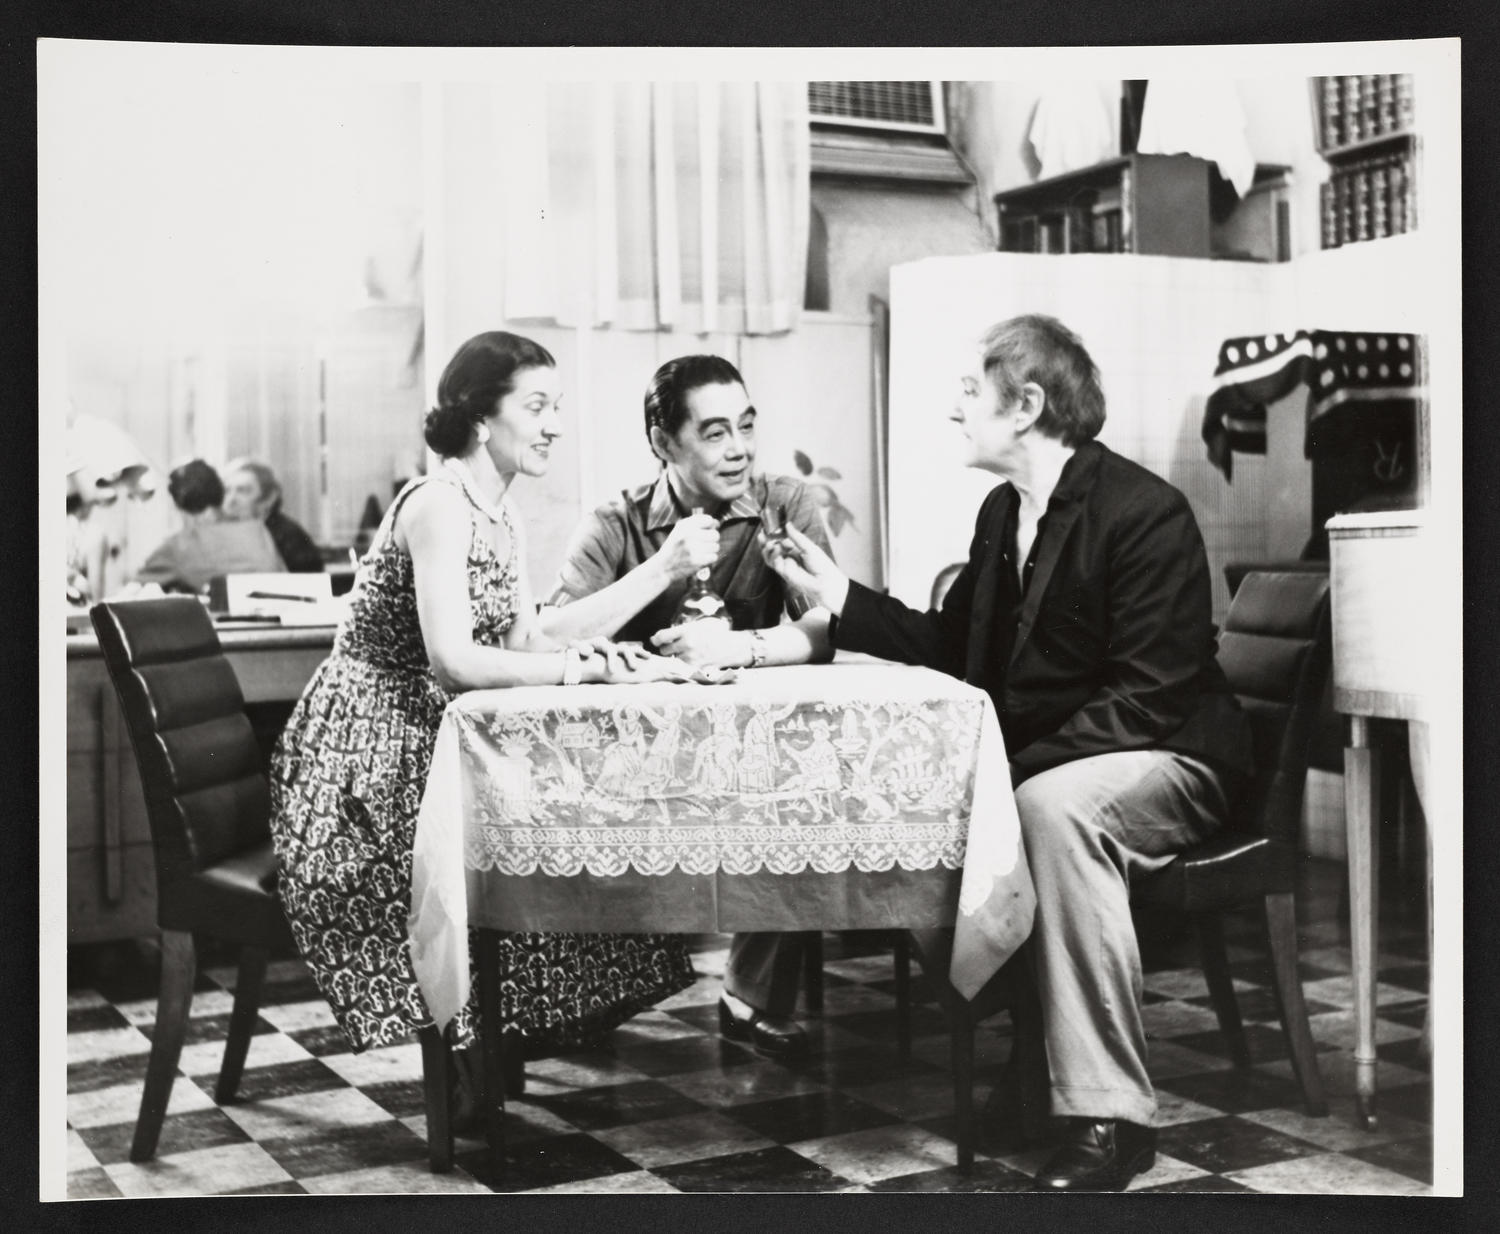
pixel 666 396
pixel 1039 349
pixel 195 487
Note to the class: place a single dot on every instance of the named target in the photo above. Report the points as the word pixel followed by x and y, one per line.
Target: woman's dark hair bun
pixel 482 372
pixel 447 430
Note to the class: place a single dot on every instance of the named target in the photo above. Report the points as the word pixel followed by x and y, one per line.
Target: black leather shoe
pixel 1100 1155
pixel 772 1036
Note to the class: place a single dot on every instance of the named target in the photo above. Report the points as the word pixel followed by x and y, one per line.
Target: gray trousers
pixel 1088 826
pixel 765 970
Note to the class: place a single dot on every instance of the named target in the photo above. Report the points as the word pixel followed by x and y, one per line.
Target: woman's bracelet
pixel 758 649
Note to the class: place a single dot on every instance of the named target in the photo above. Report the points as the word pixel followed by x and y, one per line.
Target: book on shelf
pixel 1385 103
pixel 1360 183
pixel 1380 209
pixel 1352 128
pixel 1361 107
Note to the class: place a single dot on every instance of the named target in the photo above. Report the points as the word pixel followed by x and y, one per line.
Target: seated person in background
pixel 629 564
pixel 1084 611
pixel 208 544
pixel 251 490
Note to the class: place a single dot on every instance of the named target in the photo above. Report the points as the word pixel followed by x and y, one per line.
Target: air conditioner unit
pixel 897 106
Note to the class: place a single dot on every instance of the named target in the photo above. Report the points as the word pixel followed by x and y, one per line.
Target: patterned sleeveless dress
pixel 346 783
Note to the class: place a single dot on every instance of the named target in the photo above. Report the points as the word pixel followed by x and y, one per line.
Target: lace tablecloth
pixel 848 795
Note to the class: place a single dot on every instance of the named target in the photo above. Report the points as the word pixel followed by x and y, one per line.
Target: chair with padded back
pixel 208 805
pixel 1275 650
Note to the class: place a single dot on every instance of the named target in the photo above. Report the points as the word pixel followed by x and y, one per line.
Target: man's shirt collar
pixel 665 509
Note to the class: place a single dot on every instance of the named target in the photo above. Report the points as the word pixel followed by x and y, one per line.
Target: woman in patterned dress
pixel 441 605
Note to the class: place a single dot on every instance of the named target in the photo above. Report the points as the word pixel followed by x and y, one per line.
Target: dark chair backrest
pixel 207 796
pixel 1275 651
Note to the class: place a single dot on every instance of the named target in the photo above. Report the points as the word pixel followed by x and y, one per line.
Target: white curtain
pixel 654 205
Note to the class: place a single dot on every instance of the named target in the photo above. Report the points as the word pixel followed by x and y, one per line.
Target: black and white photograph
pixel 632 621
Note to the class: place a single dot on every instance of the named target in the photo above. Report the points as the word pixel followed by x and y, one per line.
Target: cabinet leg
pixel 1361 803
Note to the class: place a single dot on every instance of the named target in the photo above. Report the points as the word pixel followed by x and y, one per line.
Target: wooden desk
pixel 1381 572
pixel 111 873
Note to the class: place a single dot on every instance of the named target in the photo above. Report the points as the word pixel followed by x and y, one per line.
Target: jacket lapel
pixel 986 588
pixel 1063 512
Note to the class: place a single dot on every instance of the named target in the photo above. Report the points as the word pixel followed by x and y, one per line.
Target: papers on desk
pixel 292 599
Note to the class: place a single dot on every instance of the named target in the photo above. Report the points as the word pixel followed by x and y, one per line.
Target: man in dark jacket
pixel 1084 611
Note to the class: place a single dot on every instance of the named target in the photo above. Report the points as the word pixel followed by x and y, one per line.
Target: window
pixel 903 106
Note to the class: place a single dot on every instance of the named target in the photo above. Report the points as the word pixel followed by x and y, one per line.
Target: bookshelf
pixel 1366 134
pixel 1156 204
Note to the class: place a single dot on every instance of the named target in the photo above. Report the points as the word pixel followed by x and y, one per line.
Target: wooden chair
pixel 208 804
pixel 1275 650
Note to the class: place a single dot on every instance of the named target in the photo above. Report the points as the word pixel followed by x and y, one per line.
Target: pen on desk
pixel 278 595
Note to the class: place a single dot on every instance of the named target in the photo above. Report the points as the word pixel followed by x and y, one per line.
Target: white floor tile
pixel 1328 1174
pixel 879 1152
pixel 121 1103
pixel 204 1171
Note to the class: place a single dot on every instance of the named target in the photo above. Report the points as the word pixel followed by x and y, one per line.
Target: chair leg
pixel 901 960
pixel 492 1041
pixel 961 1033
pixel 435 1097
pixel 179 967
pixel 1281 933
pixel 247 990
pixel 812 970
pixel 1210 927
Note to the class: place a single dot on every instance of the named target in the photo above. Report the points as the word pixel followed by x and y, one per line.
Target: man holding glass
pixel 629 566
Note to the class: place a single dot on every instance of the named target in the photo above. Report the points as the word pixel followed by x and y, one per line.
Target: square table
pixel 853 795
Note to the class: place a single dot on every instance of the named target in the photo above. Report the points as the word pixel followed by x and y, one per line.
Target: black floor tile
pixel 616 1105
pixel 1413 1101
pixel 95 1019
pixel 306 1075
pixel 1235 1091
pixel 400 1098
pixel 1407 1053
pixel 1198 1183
pixel 857 1066
pixel 546 1162
pixel 202 1029
pixel 288 1187
pixel 680 1054
pixel 1412 1014
pixel 179 1133
pixel 301 989
pixel 353 1148
pixel 704 1016
pixel 1222 1145
pixel 808 1116
pixel 1412 1158
pixel 1407 976
pixel 1267 1043
pixel 767 1169
pixel 925 1020
pixel 88 1077
pixel 322 1041
pixel 986 1176
pixel 1258 1006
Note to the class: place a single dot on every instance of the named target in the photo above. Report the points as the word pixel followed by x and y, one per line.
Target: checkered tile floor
pixel 669 1107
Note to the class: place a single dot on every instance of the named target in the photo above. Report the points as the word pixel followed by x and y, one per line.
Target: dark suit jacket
pixel 294 544
pixel 1114 647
